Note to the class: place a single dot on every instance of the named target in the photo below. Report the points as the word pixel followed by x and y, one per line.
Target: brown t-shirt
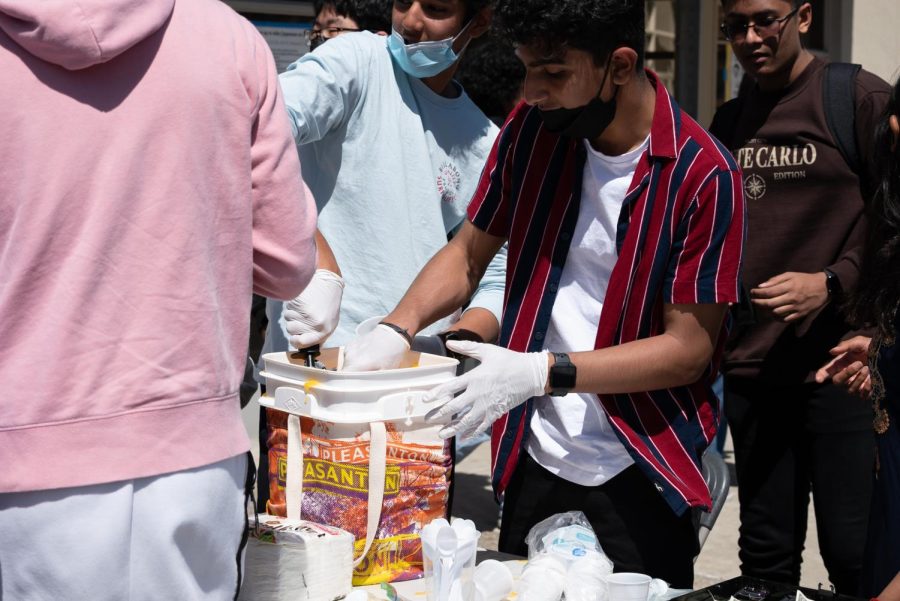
pixel 805 213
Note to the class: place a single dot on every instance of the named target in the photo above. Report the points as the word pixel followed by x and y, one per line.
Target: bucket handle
pixel 293 488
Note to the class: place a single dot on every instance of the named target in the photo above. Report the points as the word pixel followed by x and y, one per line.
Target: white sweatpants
pixel 173 537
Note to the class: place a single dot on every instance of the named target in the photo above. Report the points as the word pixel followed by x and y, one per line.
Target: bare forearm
pixel 326 258
pixel 648 364
pixel 444 285
pixel 448 279
pixel 676 357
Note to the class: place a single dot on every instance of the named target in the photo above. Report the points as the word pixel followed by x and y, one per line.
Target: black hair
pixel 877 294
pixel 370 15
pixel 473 6
pixel 492 76
pixel 595 26
pixel 793 3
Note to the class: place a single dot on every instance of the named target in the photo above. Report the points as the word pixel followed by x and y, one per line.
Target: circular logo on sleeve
pixel 754 186
pixel 448 182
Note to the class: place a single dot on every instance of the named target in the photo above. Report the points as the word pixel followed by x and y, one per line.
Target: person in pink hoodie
pixel 149 184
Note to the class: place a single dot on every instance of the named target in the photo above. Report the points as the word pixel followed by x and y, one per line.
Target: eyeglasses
pixel 765 26
pixel 320 35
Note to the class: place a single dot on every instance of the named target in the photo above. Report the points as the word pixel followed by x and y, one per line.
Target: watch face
pixel 562 375
pixel 832 284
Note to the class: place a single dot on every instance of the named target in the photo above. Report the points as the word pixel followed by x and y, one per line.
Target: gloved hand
pixel 504 380
pixel 375 347
pixel 311 317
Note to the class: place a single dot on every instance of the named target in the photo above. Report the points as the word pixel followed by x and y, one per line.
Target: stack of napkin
pixel 288 560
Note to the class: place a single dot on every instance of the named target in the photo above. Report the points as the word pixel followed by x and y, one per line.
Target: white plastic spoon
pixel 446 546
pixel 464 553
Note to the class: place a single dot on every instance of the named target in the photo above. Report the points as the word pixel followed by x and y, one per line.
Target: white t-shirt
pixel 571 436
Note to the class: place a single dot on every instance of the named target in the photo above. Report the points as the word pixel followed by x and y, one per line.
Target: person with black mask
pixel 625 227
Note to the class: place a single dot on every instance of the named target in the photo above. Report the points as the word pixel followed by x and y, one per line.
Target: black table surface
pixel 745 588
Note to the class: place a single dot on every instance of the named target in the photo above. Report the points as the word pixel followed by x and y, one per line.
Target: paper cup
pixel 628 586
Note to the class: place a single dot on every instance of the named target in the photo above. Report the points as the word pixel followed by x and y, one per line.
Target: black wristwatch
pixel 562 375
pixel 832 284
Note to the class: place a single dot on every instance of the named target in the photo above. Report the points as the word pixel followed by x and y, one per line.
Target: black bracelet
pixel 460 334
pixel 399 330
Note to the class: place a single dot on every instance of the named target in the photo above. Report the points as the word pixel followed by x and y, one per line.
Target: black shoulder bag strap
pixel 839 100
pixel 725 121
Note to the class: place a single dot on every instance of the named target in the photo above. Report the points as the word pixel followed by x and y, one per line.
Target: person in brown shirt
pixel 806 224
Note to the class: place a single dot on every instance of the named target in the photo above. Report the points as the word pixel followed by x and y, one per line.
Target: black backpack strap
pixel 725 121
pixel 839 100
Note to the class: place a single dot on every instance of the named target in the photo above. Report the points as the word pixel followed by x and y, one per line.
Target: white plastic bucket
pixel 352 397
pixel 375 398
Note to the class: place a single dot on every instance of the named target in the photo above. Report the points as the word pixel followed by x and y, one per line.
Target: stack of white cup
pixel 448 551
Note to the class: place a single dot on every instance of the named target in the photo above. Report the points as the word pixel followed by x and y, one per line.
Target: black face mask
pixel 588 121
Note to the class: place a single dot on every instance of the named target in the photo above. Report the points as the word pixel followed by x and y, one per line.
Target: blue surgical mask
pixel 424 59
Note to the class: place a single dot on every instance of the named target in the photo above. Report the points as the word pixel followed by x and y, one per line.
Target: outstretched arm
pixel 444 284
pixel 677 357
pixel 505 378
pixel 447 280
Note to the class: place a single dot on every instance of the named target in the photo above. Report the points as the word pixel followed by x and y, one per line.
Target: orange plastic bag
pixel 335 462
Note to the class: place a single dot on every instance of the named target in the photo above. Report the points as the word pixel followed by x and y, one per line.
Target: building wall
pixel 875 38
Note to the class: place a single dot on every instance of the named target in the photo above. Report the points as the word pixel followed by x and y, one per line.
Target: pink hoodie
pixel 148 184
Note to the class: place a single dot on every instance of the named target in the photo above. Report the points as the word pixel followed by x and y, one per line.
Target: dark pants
pixel 637 529
pixel 262 470
pixel 789 441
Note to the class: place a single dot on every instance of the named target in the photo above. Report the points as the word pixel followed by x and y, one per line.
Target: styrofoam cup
pixel 586 578
pixel 628 586
pixel 493 581
pixel 542 579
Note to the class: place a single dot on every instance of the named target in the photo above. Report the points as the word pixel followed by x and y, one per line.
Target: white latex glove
pixel 375 347
pixel 311 317
pixel 504 380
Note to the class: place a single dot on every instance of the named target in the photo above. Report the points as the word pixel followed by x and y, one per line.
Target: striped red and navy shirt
pixel 679 241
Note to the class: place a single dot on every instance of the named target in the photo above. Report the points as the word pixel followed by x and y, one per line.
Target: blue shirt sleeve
pixel 489 294
pixel 322 88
